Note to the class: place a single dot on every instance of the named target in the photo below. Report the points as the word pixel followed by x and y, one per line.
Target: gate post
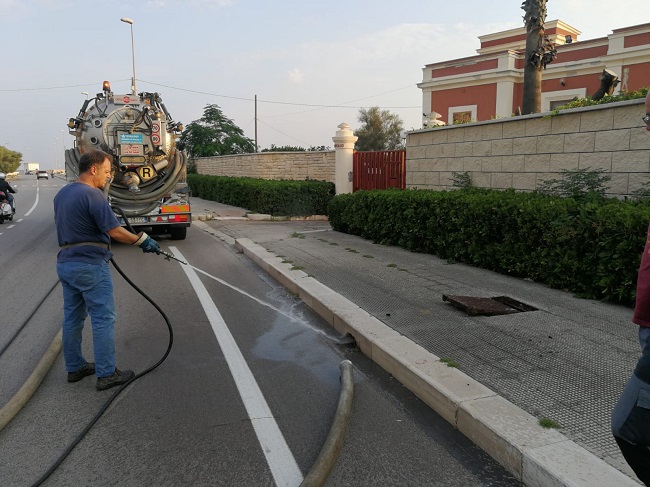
pixel 344 145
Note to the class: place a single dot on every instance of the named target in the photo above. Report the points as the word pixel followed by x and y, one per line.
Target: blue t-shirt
pixel 82 214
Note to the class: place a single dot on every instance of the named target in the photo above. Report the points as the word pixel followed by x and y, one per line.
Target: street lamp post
pixel 130 22
pixel 54 148
pixel 85 93
pixel 62 140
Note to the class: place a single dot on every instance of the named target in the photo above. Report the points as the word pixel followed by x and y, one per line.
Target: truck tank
pixel 149 181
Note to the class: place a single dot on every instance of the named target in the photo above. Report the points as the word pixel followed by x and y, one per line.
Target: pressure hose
pixel 108 402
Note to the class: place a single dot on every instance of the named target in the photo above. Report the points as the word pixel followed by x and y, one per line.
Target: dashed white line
pixel 281 462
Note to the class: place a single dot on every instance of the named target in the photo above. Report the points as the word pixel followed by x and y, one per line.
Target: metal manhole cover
pixel 499 305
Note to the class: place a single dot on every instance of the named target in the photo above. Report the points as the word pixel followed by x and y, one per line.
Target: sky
pixel 312 64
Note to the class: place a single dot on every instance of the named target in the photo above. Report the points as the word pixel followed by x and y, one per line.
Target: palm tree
pixel 539 53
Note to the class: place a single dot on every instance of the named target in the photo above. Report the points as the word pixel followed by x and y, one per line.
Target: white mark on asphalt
pixel 222 237
pixel 35 203
pixel 283 465
pixel 264 303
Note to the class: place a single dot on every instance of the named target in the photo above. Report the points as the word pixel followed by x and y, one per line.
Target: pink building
pixel 490 84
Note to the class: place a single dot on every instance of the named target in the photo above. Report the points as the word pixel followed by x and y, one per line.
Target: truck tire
pixel 178 233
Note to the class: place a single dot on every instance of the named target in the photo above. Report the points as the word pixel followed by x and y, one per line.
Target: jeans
pixel 88 290
pixel 631 415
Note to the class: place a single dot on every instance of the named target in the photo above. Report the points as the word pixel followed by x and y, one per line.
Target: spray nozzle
pixel 169 256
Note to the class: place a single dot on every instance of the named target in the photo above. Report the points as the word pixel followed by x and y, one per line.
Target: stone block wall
pixel 296 166
pixel 520 152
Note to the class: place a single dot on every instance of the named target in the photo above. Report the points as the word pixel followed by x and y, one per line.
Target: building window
pixel 558 103
pixel 553 99
pixel 464 114
pixel 462 117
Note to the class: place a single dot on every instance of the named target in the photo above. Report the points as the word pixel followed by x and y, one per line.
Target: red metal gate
pixel 379 170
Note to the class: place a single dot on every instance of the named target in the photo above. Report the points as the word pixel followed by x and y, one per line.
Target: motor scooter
pixel 6 210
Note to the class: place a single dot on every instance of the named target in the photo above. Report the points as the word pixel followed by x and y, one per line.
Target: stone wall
pixel 296 166
pixel 520 152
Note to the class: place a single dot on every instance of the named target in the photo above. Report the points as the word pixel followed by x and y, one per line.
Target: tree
pixel 608 82
pixel 380 130
pixel 539 53
pixel 9 160
pixel 214 134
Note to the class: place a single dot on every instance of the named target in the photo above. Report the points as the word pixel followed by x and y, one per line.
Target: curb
pixel 260 217
pixel 538 457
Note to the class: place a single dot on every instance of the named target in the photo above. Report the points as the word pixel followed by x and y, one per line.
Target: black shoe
pixel 115 379
pixel 86 370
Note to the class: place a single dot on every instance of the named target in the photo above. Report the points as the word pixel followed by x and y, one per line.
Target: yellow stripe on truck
pixel 174 208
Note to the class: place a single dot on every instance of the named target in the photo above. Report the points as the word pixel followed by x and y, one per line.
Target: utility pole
pixel 256 146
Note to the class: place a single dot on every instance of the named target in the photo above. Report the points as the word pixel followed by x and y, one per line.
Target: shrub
pixel 461 179
pixel 286 198
pixel 584 183
pixel 585 102
pixel 589 247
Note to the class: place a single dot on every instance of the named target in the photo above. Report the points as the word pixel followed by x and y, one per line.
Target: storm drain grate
pixel 498 305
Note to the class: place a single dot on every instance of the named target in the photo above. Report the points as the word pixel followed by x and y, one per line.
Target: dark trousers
pixel 631 414
pixel 637 457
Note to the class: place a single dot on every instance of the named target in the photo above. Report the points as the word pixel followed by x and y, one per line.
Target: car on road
pixel 42 174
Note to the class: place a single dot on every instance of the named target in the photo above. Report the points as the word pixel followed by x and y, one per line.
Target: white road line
pixel 263 303
pixel 35 203
pixel 278 455
pixel 11 226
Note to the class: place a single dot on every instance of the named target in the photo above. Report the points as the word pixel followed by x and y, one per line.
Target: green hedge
pixel 278 198
pixel 592 249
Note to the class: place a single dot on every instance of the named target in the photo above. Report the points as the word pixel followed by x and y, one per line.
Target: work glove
pixel 147 244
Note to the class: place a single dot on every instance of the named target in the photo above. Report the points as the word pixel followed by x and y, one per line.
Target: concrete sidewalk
pixel 566 361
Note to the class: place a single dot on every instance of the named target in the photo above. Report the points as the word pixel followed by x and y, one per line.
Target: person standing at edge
pixel 631 415
pixel 85 223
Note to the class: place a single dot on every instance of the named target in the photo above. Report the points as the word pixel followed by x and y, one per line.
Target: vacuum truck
pixel 149 183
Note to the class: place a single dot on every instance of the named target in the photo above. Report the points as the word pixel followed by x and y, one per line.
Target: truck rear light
pixel 160 219
pixel 177 218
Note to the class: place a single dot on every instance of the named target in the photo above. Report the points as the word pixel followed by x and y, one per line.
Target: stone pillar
pixel 344 145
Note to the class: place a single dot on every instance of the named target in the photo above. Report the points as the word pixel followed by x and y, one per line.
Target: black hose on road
pixel 105 406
